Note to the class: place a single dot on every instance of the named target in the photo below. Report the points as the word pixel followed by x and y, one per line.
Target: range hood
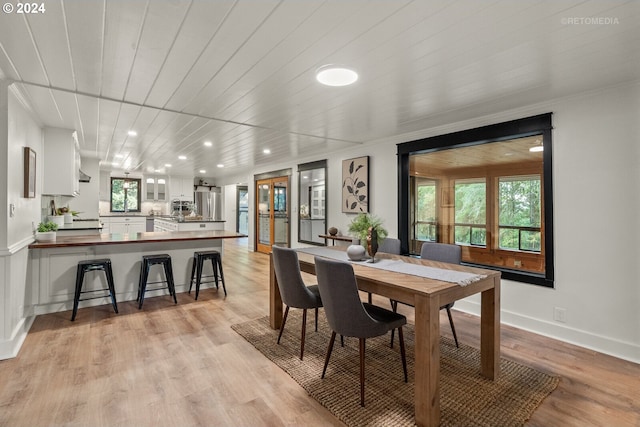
pixel 84 177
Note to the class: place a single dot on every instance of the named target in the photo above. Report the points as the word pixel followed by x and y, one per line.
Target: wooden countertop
pixel 118 239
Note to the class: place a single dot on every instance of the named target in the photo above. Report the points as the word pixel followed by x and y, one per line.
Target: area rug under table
pixel 466 398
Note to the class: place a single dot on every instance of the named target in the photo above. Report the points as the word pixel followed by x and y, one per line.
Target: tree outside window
pixel 125 195
pixel 471 212
pixel 425 227
pixel 519 213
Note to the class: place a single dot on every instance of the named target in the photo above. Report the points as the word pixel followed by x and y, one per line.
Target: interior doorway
pixel 242 209
pixel 272 213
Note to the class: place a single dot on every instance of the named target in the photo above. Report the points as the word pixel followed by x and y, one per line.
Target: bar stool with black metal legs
pixel 196 270
pixel 93 265
pixel 145 266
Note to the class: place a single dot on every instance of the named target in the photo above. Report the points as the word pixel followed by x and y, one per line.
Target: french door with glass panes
pixel 272 213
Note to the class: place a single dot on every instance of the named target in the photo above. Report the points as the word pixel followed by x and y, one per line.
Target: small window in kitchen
pixel 125 194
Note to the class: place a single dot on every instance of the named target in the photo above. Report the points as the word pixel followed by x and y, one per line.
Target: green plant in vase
pixel 359 227
pixel 45 227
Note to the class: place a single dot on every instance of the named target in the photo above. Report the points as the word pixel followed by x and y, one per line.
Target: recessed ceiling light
pixel 266 151
pixel 202 171
pixel 305 177
pixel 167 165
pixel 119 156
pixel 156 170
pixel 114 164
pixel 336 75
pixel 132 133
pixel 536 148
pixel 315 180
pixel 182 157
pixel 208 143
pixel 220 165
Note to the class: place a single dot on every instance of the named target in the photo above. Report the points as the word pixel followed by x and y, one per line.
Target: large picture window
pixel 487 190
pixel 519 199
pixel 471 212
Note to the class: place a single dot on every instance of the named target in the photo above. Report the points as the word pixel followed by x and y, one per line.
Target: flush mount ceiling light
pixel 336 75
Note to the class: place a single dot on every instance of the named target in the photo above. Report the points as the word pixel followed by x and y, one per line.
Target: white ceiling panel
pixel 242 73
pixel 85 22
pixel 200 26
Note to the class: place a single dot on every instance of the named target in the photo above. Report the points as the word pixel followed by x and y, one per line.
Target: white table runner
pixel 460 277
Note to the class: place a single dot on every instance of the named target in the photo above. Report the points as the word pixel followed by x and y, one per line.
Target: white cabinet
pixel 155 189
pixel 124 224
pixel 106 224
pixel 164 225
pixel 61 161
pixel 181 188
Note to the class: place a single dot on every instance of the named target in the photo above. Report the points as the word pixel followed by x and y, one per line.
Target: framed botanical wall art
pixel 29 173
pixel 355 185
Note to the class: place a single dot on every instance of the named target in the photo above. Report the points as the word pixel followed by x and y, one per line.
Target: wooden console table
pixel 334 238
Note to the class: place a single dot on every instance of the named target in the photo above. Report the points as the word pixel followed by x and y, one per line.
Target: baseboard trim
pixel 612 347
pixel 10 348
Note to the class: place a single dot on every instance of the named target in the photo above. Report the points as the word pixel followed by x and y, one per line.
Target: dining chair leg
pixel 370 298
pixel 394 307
pixel 362 348
pixel 304 332
pixel 316 319
pixel 403 354
pixel 453 328
pixel 329 350
pixel 284 320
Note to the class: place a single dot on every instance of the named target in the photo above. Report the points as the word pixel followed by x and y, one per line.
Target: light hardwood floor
pixel 181 365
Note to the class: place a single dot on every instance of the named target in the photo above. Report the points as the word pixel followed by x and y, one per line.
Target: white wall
pixel 596 200
pixel 596 164
pixel 17 130
pixel 229 212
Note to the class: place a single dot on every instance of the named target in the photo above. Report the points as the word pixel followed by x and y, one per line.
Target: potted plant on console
pixel 46 232
pixel 361 227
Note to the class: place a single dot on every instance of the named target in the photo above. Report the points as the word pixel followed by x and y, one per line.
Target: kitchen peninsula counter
pixel 189 224
pixel 119 239
pixel 53 265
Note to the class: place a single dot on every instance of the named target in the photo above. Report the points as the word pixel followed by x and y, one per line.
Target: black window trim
pixel 139 181
pixel 529 126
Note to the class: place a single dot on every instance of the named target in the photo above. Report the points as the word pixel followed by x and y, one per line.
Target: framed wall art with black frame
pixel 29 173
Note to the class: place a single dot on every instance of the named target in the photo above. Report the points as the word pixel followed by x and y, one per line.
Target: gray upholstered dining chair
pixel 349 316
pixel 389 245
pixel 293 290
pixel 442 252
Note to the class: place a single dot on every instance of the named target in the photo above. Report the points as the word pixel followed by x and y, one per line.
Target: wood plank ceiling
pixel 241 74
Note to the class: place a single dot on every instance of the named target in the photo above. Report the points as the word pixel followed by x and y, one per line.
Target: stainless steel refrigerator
pixel 209 202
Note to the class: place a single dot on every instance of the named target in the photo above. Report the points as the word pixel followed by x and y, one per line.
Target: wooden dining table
pixel 427 295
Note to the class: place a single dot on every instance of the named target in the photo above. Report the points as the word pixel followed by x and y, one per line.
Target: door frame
pixel 279 175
